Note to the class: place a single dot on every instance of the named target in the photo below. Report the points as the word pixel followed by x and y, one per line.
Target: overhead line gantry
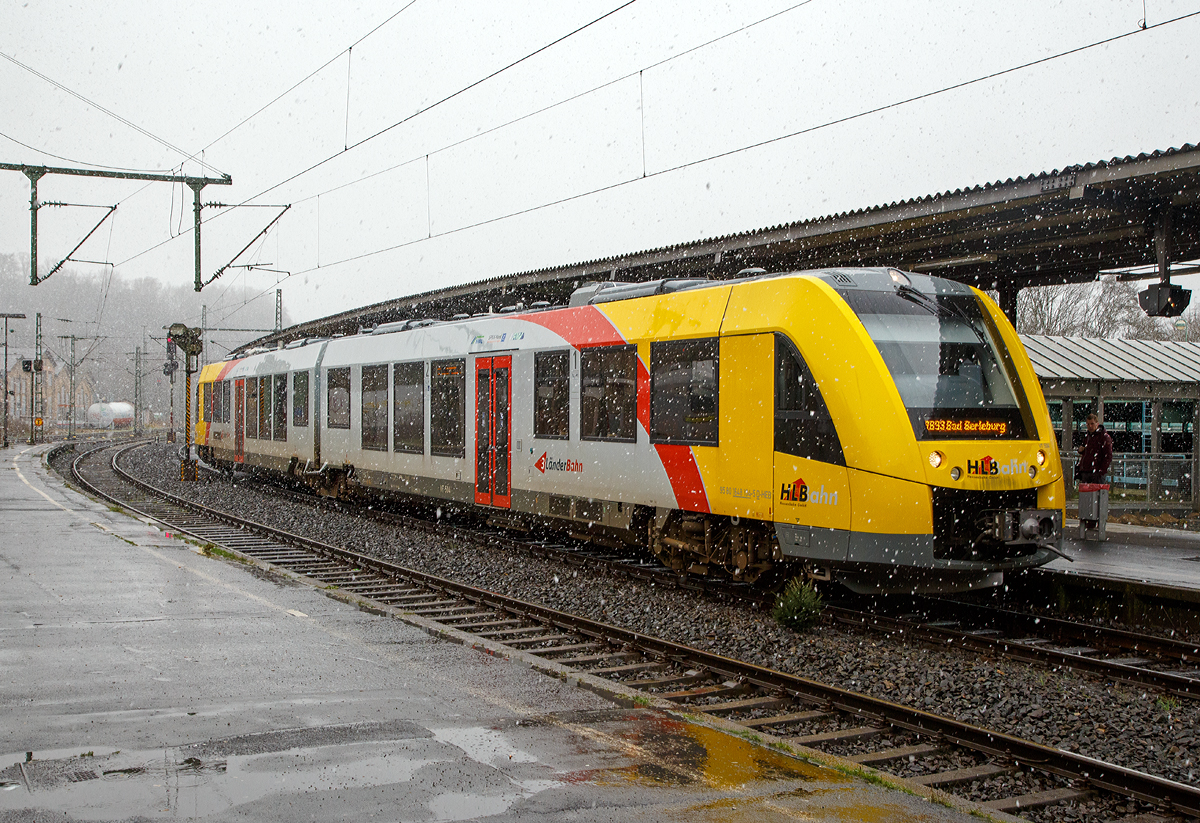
pixel 36 173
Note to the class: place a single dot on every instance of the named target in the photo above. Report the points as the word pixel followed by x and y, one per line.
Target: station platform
pixel 141 679
pixel 1158 562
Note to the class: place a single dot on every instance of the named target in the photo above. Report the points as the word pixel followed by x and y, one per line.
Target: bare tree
pixel 1105 308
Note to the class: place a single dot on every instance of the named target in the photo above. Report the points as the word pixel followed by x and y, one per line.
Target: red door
pixel 493 452
pixel 239 421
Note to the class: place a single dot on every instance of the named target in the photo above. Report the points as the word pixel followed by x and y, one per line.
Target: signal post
pixel 189 340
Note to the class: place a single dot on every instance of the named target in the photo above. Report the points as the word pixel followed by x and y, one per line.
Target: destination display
pixel 971 427
pixel 962 424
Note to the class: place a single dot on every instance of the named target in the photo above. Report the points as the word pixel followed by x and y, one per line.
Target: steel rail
pixel 1167 682
pixel 1153 789
pixel 1015 621
pixel 1170 682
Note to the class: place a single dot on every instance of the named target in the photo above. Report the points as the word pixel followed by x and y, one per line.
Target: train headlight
pixel 900 277
pixel 955 473
pixel 935 459
pixel 1041 457
pixel 1032 471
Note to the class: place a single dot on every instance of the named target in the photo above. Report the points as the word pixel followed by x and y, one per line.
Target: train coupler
pixel 1017 526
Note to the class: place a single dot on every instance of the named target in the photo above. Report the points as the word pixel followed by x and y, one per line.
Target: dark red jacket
pixel 1097 454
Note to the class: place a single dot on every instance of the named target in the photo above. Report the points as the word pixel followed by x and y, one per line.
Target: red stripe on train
pixel 685 477
pixel 580 326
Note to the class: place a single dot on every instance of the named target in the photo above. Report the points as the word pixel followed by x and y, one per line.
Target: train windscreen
pixel 942 352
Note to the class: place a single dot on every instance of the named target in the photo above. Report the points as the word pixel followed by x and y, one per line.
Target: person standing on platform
pixel 1095 454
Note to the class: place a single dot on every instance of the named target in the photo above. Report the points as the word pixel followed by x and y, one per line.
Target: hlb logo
pixel 797 492
pixel 985 466
pixel 545 464
pixel 988 466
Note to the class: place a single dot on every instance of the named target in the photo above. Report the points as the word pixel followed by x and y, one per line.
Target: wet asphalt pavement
pixel 142 680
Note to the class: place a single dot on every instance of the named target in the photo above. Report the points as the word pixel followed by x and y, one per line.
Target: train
pixel 110 415
pixel 879 429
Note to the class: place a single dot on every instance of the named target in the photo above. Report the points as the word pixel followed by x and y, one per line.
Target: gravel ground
pixel 1107 721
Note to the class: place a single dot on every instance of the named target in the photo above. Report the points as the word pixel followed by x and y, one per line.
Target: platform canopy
pixel 1136 216
pixel 1090 367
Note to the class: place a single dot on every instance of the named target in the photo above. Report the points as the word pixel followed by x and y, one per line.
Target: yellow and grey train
pixel 874 427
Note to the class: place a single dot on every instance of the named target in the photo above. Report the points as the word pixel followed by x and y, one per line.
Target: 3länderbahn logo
pixel 554 464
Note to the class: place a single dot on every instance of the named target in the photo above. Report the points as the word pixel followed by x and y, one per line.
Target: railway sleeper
pixel 572 647
pixel 836 736
pixel 488 624
pixel 809 716
pixel 591 658
pixel 441 611
pixel 500 634
pixel 721 690
pixel 1049 797
pixel 916 750
pixel 688 678
pixel 523 642
pixel 630 668
pixel 965 775
pixel 764 702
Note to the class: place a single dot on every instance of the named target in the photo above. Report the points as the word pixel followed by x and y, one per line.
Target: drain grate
pixel 79 777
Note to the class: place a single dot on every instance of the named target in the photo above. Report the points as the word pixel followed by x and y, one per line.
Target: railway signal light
pixel 188 339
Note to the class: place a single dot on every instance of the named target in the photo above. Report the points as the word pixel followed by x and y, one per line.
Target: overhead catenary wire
pixel 445 99
pixel 80 162
pixel 425 155
pixel 749 147
pixel 307 77
pixel 111 114
pixel 551 106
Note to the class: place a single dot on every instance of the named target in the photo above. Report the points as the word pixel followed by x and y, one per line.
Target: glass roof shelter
pixel 1147 393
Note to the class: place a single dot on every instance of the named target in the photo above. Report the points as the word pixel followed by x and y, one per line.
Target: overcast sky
pixel 616 124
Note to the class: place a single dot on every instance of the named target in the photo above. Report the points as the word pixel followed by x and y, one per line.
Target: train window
pixel 203 402
pixel 803 426
pixel 608 393
pixel 339 398
pixel 408 407
pixel 375 407
pixel 552 395
pixel 225 401
pixel 684 380
pixel 213 401
pixel 300 400
pixel 264 408
pixel 279 408
pixel 252 407
pixel 448 407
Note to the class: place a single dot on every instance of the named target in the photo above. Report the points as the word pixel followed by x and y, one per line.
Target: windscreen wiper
pixel 941 309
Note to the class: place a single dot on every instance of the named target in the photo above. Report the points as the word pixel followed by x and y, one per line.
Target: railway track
pixel 1003 772
pixel 1162 665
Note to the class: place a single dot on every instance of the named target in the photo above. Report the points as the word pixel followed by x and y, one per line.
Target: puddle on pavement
pixel 485 745
pixel 451 773
pixel 7 760
pixel 688 754
pixel 177 781
pixel 468 806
